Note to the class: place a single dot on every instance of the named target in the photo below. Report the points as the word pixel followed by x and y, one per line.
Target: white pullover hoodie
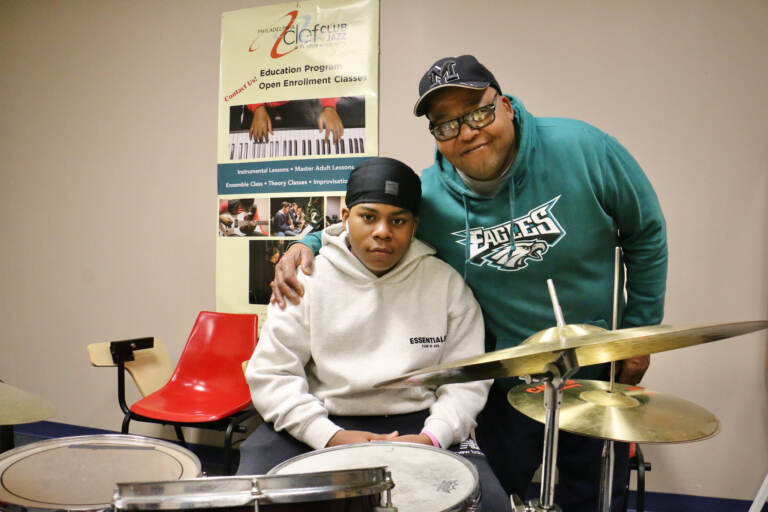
pixel 352 330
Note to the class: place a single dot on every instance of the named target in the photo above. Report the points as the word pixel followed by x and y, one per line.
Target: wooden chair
pixel 148 362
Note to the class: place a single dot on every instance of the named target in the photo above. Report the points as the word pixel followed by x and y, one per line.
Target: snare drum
pixel 80 473
pixel 426 479
pixel 357 490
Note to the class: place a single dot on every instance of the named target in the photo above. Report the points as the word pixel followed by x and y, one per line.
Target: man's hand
pixel 413 438
pixel 358 436
pixel 286 285
pixel 330 121
pixel 261 126
pixel 631 370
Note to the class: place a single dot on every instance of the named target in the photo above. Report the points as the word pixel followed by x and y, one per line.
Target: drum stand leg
pixel 606 469
pixel 606 477
pixel 760 498
pixel 553 380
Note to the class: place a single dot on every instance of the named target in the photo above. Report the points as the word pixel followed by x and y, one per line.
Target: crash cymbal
pixel 590 344
pixel 630 413
pixel 17 406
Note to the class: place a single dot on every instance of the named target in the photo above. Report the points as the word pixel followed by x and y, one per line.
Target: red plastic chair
pixel 207 389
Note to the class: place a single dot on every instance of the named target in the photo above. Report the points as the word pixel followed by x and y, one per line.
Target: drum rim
pixel 420 446
pixel 19 453
pixel 471 498
pixel 73 440
pixel 246 490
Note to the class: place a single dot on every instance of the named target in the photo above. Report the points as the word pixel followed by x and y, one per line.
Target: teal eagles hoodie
pixel 572 195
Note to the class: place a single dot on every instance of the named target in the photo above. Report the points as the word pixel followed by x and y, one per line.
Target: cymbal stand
pixel 606 469
pixel 554 379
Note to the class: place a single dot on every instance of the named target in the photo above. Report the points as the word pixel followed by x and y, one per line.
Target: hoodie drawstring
pixel 511 200
pixel 511 195
pixel 466 236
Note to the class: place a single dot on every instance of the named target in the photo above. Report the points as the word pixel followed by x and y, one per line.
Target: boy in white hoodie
pixel 377 305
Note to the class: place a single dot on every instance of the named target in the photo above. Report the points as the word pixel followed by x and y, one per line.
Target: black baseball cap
pixel 462 71
pixel 384 180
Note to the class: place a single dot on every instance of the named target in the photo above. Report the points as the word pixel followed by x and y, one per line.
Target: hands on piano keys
pixel 302 142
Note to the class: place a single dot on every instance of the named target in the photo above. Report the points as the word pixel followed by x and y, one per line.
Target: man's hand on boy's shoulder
pixel 285 284
pixel 358 436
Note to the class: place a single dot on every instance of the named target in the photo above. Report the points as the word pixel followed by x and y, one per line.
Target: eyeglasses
pixel 478 118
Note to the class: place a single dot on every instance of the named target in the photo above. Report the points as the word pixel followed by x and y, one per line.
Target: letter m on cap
pixel 445 73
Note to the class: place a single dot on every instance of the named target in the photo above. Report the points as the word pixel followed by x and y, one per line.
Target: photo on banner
pixel 319 212
pixel 240 216
pixel 298 110
pixel 292 128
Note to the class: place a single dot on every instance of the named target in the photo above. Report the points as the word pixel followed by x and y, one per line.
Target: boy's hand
pixel 413 438
pixel 358 436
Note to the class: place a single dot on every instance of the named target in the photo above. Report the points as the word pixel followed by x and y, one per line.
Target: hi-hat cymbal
pixel 590 344
pixel 17 406
pixel 630 413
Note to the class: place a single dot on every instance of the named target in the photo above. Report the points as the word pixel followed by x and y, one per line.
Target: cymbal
pixel 17 406
pixel 591 345
pixel 630 413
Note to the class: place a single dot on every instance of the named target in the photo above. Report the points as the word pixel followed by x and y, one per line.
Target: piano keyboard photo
pixel 303 142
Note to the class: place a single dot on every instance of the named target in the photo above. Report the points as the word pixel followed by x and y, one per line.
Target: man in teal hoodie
pixel 511 201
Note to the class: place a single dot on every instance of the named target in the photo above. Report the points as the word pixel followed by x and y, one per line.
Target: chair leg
pixel 228 447
pixel 126 422
pixel 6 438
pixel 180 435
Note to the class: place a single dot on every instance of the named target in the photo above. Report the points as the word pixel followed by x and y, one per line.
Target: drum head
pixel 80 473
pixel 425 478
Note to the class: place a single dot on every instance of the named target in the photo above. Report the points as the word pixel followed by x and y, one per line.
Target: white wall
pixel 108 177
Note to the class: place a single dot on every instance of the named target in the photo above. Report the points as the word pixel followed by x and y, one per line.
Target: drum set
pixel 604 410
pixel 126 473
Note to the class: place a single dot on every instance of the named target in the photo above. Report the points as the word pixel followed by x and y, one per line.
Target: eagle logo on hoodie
pixel 533 234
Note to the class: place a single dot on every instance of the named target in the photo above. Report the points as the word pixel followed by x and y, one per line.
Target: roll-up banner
pixel 298 110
